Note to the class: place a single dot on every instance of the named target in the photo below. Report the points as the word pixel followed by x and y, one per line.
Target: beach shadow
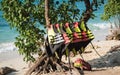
pixel 12 73
pixel 108 60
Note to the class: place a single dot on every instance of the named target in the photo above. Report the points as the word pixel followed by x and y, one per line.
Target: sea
pixel 7 35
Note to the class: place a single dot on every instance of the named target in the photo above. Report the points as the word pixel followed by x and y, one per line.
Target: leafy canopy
pixel 111 9
pixel 25 15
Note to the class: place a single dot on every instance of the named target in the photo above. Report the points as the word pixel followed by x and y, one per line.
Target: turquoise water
pixel 7 35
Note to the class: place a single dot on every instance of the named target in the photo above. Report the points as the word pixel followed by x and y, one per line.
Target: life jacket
pixel 51 34
pixel 58 37
pixel 65 35
pixel 86 33
pixel 76 33
pixel 54 36
pixel 90 35
pixel 80 63
pixel 80 32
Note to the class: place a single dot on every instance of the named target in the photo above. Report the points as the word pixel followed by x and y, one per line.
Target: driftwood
pixel 114 34
pixel 114 31
pixel 6 70
pixel 114 48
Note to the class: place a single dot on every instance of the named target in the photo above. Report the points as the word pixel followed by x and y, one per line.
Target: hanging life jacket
pixel 65 35
pixel 58 36
pixel 76 33
pixel 54 37
pixel 86 33
pixel 90 35
pixel 51 34
pixel 81 32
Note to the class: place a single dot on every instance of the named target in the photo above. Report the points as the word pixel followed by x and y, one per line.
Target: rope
pixel 99 54
pixel 68 57
pixel 69 62
pixel 95 50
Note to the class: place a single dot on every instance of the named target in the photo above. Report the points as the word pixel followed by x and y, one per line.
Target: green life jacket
pixel 76 32
pixel 68 30
pixel 66 33
pixel 86 33
pixel 76 27
pixel 82 26
pixel 58 28
pixel 90 35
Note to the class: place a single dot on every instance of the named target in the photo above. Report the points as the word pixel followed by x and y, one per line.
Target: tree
pixel 28 15
pixel 112 10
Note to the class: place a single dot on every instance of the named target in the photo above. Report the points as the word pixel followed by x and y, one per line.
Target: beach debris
pixel 6 70
pixel 114 48
pixel 115 34
pixel 114 31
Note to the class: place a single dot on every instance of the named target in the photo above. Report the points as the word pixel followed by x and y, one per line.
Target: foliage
pixel 111 9
pixel 22 16
pixel 25 14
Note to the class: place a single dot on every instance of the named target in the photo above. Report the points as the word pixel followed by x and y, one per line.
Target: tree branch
pixel 89 10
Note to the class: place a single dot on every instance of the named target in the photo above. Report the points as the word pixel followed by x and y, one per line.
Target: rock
pixel 6 70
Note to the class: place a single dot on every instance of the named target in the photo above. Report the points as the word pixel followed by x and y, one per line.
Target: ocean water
pixel 7 35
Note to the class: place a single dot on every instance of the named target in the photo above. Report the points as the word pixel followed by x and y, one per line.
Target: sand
pixel 13 60
pixel 109 64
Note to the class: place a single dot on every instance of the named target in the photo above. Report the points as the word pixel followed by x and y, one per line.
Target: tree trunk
pixel 88 12
pixel 46 13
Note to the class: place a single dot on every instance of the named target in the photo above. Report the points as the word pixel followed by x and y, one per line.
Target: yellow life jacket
pixel 51 34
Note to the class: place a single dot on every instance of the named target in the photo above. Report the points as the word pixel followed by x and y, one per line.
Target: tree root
pixel 35 65
pixel 47 64
pixel 57 67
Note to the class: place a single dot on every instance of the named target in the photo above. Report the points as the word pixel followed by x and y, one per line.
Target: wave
pixel 98 26
pixel 102 25
pixel 4 47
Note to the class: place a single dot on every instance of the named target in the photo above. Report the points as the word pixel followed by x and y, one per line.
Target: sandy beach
pixel 12 59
